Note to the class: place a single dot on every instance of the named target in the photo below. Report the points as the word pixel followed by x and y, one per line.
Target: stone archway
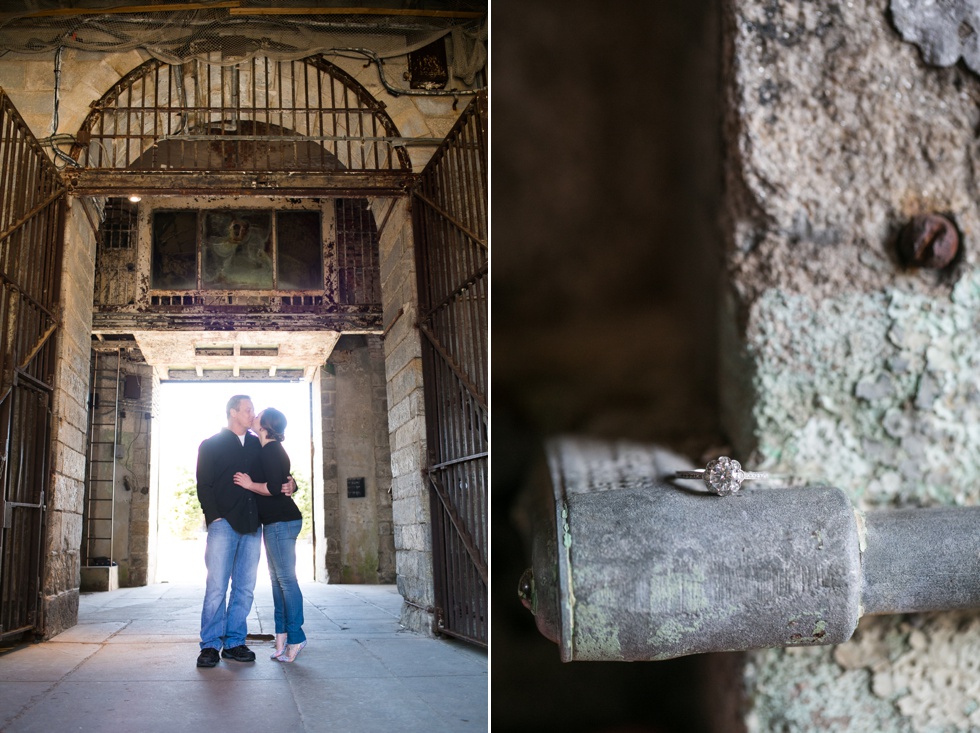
pixel 133 309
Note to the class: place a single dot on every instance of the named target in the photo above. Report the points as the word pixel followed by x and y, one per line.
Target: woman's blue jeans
pixel 234 557
pixel 280 553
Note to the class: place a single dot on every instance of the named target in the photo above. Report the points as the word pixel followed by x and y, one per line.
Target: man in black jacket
pixel 234 540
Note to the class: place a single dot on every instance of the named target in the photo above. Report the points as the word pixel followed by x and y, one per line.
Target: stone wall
pixel 360 447
pixel 329 498
pixel 63 535
pixel 133 506
pixel 324 478
pixel 848 366
pixel 406 417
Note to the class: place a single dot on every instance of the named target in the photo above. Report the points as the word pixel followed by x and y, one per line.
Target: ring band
pixel 722 476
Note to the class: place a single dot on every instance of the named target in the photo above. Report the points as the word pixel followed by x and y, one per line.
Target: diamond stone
pixel 724 476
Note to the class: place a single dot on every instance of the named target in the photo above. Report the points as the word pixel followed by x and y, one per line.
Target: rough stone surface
pixel 844 367
pixel 944 31
pixel 63 530
pixel 402 355
pixel 361 412
pixel 60 612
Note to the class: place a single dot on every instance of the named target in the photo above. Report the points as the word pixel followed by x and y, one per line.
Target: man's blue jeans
pixel 235 557
pixel 280 553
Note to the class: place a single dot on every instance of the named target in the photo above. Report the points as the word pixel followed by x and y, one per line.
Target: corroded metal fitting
pixel 928 241
pixel 628 566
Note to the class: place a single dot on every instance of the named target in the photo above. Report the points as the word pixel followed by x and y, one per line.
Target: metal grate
pixel 358 269
pixel 259 116
pixel 32 216
pixel 118 228
pixel 450 220
pixel 115 254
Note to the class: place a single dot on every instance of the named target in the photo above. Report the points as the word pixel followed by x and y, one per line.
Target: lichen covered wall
pixel 842 364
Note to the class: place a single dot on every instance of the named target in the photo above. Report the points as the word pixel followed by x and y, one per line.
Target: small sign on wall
pixel 355 488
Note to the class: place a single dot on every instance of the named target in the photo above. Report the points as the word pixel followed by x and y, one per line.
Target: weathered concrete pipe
pixel 629 565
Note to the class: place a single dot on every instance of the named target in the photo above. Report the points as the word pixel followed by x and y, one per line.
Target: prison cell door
pixel 32 217
pixel 450 224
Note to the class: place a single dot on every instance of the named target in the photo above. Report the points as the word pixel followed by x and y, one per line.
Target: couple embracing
pixel 245 490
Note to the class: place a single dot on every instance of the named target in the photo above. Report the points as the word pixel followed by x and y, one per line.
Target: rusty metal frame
pixel 98 182
pixel 450 224
pixel 281 127
pixel 32 220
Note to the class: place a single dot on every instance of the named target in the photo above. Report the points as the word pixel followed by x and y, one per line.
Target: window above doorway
pixel 236 249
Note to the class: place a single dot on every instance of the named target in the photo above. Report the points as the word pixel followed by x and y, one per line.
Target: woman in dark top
pixel 281 522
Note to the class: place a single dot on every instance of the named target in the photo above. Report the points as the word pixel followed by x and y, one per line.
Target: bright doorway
pixel 189 412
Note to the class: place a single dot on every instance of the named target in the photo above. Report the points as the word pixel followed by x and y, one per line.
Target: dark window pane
pixel 174 250
pixel 300 250
pixel 237 250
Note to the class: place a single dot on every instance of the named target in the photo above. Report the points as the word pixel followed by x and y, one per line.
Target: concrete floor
pixel 129 665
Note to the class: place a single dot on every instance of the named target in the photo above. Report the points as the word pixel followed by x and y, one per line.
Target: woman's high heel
pixel 291 652
pixel 280 646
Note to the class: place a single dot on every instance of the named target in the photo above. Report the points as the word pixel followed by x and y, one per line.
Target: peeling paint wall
pixel 840 364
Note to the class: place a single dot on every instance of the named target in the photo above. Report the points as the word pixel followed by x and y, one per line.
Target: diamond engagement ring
pixel 722 476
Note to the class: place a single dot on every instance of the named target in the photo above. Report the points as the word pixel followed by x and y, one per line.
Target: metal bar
pixel 628 565
pixel 461 14
pixel 29 216
pixel 14 286
pixel 40 345
pixel 460 528
pixel 6 167
pixel 918 560
pixel 170 8
pixel 255 120
pixel 293 108
pixel 90 182
pixel 455 461
pixel 450 218
pixel 34 381
pixel 464 380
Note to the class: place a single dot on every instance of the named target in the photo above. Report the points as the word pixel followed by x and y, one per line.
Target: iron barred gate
pixel 450 220
pixel 32 214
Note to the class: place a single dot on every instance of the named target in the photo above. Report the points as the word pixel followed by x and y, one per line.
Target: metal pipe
pixel 921 560
pixel 628 565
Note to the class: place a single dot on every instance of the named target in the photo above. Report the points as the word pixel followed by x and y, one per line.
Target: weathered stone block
pixel 60 612
pixel 405 381
pixel 66 495
pixel 405 461
pixel 61 571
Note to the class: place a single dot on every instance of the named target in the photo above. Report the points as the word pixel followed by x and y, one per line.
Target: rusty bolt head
pixel 525 589
pixel 928 241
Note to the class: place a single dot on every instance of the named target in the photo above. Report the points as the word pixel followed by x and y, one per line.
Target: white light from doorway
pixel 189 412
